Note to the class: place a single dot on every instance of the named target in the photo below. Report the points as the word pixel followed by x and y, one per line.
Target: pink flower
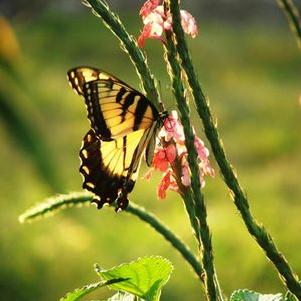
pixel 172 154
pixel 153 31
pixel 172 128
pixel 203 154
pixel 200 148
pixel 156 22
pixel 148 7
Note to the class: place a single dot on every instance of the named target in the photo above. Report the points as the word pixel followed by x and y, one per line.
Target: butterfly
pixel 124 125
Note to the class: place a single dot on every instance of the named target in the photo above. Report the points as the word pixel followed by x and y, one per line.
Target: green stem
pixel 293 17
pixel 262 237
pixel 186 194
pixel 129 45
pixel 63 201
pixel 198 199
pixel 55 204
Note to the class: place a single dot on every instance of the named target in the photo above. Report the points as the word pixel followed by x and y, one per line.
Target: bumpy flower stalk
pixel 186 194
pixel 262 237
pixel 129 45
pixel 59 202
pixel 293 17
pixel 198 199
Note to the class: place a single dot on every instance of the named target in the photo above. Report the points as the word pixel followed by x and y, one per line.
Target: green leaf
pixel 80 292
pixel 248 295
pixel 144 277
pixel 121 296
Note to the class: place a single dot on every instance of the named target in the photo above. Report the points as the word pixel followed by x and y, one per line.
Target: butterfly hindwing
pixel 96 178
pixel 111 166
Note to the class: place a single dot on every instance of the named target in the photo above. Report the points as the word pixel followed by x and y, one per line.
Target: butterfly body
pixel 124 124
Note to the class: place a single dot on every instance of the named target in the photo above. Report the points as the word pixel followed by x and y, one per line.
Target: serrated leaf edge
pixel 245 290
pixel 134 261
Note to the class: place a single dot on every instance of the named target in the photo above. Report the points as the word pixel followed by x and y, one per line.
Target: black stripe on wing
pixel 95 114
pixel 115 110
pixel 81 75
pixel 140 111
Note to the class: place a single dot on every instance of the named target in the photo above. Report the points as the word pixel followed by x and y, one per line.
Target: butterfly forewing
pixel 79 76
pixel 115 110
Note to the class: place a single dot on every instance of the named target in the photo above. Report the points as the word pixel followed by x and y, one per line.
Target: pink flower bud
pixel 185 175
pixel 188 23
pixel 202 151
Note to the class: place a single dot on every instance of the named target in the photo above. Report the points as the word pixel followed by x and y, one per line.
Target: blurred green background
pixel 249 65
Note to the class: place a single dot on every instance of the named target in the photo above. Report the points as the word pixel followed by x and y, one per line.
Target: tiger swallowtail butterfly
pixel 124 125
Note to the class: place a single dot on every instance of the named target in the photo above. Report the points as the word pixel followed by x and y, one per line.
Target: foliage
pixel 143 278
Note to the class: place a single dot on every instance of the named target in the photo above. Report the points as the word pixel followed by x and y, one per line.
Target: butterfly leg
pixel 122 200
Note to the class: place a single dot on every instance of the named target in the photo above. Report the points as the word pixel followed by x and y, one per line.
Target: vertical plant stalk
pixel 293 17
pixel 185 193
pixel 198 199
pixel 129 45
pixel 257 230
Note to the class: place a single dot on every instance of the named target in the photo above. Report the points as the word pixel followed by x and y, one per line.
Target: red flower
pixel 163 157
pixel 168 182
